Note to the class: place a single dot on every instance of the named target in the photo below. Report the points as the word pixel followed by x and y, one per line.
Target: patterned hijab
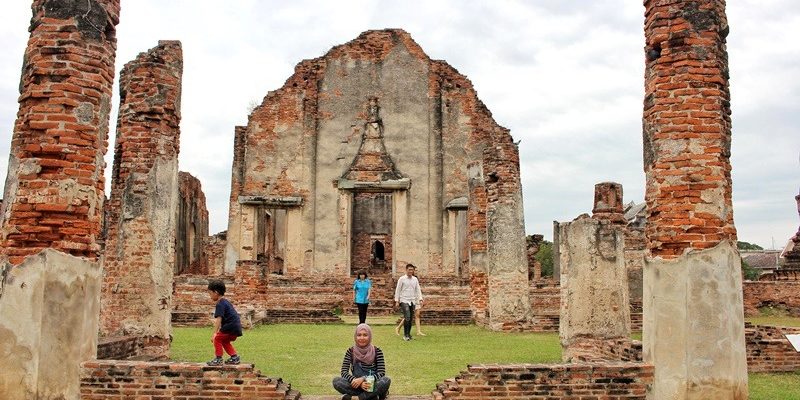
pixel 366 354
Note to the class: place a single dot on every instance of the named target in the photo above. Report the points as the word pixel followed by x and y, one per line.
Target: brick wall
pixel 102 380
pixel 599 350
pixel 140 247
pixel 479 297
pixel 119 347
pixel 54 191
pixel 192 229
pixel 768 350
pixel 549 381
pixel 781 294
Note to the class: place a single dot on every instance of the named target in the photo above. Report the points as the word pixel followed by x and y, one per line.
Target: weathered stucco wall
pixel 49 306
pixel 594 285
pixel 694 325
pixel 140 248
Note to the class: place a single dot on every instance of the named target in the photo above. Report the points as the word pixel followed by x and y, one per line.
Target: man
pixel 407 295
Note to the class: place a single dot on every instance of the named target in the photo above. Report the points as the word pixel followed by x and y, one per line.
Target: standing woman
pixel 361 288
pixel 363 373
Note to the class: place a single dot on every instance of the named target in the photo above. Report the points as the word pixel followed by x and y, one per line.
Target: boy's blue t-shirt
pixel 362 288
pixel 230 318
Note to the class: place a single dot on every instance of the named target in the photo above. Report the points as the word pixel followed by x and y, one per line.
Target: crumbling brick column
pixel 233 244
pixel 595 312
pixel 608 202
pixel 140 249
pixel 507 267
pixel 692 278
pixel 53 200
pixel 54 191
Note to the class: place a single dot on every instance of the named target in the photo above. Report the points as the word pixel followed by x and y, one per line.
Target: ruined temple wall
pixel 304 136
pixel 140 249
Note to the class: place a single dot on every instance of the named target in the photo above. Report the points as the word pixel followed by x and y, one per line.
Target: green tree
pixel 545 257
pixel 748 246
pixel 750 273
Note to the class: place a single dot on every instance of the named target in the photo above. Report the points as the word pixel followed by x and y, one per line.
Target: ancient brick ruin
pixel 370 157
pixel 140 247
pixel 371 174
pixel 692 278
pixel 53 199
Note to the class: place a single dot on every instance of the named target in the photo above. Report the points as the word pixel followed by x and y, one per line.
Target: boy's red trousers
pixel 223 341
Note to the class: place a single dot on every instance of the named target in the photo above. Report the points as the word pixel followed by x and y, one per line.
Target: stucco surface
pixel 694 325
pixel 49 307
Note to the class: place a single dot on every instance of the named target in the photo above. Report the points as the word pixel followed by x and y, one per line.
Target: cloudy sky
pixel 565 76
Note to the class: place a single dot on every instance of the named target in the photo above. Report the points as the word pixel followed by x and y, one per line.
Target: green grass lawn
pixel 309 356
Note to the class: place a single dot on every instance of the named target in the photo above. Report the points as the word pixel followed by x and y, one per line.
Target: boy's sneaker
pixel 217 361
pixel 234 360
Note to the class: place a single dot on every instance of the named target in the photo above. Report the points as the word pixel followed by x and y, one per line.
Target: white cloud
pixel 565 77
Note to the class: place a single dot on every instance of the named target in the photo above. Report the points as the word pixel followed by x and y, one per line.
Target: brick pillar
pixel 692 277
pixel 192 227
pixel 608 202
pixel 51 217
pixel 507 266
pixel 140 249
pixel 476 238
pixel 54 190
pixel 233 244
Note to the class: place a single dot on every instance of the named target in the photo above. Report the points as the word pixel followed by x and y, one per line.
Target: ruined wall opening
pixel 271 238
pixel 371 232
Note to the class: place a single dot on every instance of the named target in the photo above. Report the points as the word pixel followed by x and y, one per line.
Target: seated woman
pixel 361 361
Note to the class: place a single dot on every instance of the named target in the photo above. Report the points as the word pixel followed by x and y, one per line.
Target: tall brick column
pixel 53 196
pixel 476 236
pixel 693 318
pixel 140 248
pixel 507 266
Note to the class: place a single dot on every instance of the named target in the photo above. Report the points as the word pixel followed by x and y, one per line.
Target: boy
pixel 227 326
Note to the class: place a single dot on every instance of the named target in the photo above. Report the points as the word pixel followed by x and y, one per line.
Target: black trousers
pixel 362 312
pixel 408 316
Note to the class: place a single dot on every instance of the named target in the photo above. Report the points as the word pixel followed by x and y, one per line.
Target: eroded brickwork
pixel 768 349
pixel 608 202
pixel 687 127
pixel 192 229
pixel 214 252
pixel 140 249
pixel 54 189
pixel 779 295
pixel 562 381
pixel 171 380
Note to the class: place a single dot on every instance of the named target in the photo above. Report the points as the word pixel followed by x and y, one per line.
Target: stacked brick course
pixel 768 349
pixel 687 127
pixel 140 249
pixel 54 194
pixel 214 252
pixel 167 380
pixel 540 381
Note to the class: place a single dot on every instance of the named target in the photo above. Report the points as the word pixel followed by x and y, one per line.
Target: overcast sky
pixel 565 76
